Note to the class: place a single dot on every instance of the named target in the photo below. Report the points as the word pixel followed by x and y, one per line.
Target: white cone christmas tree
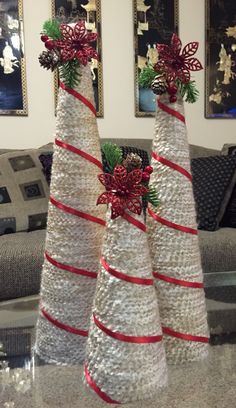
pixel 125 359
pixel 75 225
pixel 172 227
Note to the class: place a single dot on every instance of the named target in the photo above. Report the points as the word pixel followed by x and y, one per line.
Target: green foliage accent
pixel 69 73
pixel 51 28
pixel 188 91
pixel 152 196
pixel 146 77
pixel 113 156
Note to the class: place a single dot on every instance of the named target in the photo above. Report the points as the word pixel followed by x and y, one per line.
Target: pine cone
pixel 50 59
pixel 159 85
pixel 133 161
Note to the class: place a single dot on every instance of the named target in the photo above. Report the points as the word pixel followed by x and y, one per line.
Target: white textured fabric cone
pixel 71 240
pixel 175 253
pixel 125 371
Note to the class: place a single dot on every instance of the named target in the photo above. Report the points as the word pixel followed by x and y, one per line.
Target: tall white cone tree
pixel 75 224
pixel 125 359
pixel 172 227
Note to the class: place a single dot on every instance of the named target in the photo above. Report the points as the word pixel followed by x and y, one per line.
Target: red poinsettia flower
pixel 123 191
pixel 75 43
pixel 177 65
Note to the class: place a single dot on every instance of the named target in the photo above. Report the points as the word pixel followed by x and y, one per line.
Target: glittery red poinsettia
pixel 123 191
pixel 176 64
pixel 75 43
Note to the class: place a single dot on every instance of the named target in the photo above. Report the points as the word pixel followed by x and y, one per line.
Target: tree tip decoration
pixel 171 73
pixel 67 47
pixel 125 182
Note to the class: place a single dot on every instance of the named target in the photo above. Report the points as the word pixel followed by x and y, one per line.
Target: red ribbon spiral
pixel 124 337
pixel 62 326
pixel 98 390
pixel 123 276
pixel 184 229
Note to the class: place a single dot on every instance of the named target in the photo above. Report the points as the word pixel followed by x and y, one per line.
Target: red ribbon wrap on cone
pixel 173 239
pixel 75 228
pixel 125 359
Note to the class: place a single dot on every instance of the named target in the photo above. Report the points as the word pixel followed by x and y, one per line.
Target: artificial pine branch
pixel 51 28
pixel 188 91
pixel 152 196
pixel 69 73
pixel 113 156
pixel 146 77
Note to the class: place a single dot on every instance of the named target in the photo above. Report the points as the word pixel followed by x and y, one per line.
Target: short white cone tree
pixel 173 234
pixel 75 227
pixel 125 359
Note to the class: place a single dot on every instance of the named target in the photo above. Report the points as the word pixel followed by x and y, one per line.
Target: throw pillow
pixel 213 182
pixel 229 219
pixel 24 192
pixel 46 161
pixel 229 149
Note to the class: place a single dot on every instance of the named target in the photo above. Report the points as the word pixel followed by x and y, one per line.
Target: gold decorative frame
pixel 23 110
pixel 170 26
pixel 99 72
pixel 220 72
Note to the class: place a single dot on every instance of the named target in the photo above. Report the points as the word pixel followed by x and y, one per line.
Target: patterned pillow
pixel 46 160
pixel 213 182
pixel 229 149
pixel 24 192
pixel 229 219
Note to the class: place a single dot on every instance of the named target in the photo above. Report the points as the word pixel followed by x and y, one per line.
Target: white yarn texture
pixel 126 371
pixel 175 253
pixel 71 240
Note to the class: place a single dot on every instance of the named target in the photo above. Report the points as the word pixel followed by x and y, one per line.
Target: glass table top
pixel 27 382
pixel 207 384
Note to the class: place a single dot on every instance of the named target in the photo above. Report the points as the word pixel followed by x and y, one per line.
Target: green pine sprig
pixel 188 91
pixel 69 73
pixel 152 196
pixel 146 77
pixel 51 28
pixel 113 156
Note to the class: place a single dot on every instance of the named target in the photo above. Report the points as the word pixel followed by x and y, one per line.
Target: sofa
pixel 21 258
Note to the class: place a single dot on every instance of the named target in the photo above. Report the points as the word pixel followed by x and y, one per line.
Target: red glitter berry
pixel 148 169
pixel 44 38
pixel 172 89
pixel 49 44
pixel 173 98
pixel 145 176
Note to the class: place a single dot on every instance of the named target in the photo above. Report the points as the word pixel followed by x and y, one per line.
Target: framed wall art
pixel 154 22
pixel 220 59
pixel 13 98
pixel 71 11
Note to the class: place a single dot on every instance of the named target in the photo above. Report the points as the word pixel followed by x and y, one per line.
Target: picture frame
pixel 220 73
pixel 154 22
pixel 72 11
pixel 13 89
